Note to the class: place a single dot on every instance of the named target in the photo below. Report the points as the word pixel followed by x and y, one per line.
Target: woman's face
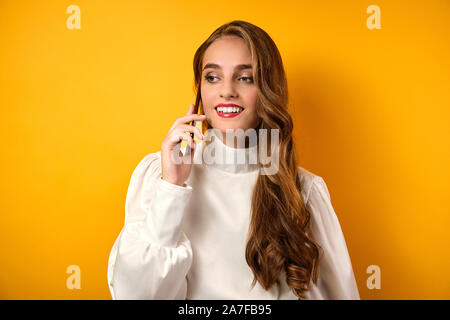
pixel 227 79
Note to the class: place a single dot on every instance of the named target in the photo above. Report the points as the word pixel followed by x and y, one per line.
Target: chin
pixel 230 127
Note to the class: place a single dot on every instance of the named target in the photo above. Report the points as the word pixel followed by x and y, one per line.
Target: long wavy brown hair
pixel 278 239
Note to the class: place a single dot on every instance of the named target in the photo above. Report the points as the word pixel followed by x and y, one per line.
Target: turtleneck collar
pixel 214 153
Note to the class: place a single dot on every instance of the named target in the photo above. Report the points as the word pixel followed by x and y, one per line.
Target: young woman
pixel 224 230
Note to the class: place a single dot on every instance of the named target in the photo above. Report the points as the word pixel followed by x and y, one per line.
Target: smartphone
pixel 197 103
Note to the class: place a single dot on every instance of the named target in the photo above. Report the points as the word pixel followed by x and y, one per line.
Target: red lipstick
pixel 228 110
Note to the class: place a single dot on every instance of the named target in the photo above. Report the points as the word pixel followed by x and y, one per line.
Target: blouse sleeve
pixel 151 256
pixel 336 279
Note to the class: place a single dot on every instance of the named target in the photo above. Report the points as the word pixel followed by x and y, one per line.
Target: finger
pixel 190 110
pixel 189 118
pixel 192 129
pixel 180 136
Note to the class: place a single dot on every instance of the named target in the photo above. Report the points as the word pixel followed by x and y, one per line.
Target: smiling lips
pixel 228 110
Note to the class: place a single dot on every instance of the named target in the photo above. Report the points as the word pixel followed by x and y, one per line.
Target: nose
pixel 228 90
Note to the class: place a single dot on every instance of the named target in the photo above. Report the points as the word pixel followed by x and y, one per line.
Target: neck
pixel 232 140
pixel 232 157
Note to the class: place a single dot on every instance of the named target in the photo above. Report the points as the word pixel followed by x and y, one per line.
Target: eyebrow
pixel 238 67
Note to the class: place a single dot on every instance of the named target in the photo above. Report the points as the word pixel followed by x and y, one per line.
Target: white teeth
pixel 229 109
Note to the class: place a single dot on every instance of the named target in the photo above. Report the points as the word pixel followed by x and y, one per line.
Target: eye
pixel 246 79
pixel 208 77
pixel 250 79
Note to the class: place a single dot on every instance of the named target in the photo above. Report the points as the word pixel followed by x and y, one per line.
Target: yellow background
pixel 81 108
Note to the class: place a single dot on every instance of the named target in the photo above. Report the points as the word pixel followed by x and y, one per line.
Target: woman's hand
pixel 180 130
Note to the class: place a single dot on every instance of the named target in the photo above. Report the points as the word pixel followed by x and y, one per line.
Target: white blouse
pixel 189 242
